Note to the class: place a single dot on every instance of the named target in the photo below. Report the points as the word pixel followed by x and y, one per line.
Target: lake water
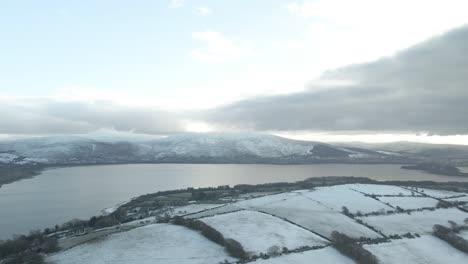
pixel 58 195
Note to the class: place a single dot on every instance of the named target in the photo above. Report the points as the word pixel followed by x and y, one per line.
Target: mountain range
pixel 186 148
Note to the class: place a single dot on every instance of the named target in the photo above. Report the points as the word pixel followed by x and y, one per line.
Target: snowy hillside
pixel 185 147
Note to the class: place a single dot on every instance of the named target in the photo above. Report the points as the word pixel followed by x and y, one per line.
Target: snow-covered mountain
pixel 185 147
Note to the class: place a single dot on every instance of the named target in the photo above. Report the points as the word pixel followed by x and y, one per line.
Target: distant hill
pixel 454 154
pixel 183 148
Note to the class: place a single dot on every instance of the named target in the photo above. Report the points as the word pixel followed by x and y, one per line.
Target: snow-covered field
pixel 379 189
pixel 257 232
pixel 416 222
pixel 458 199
pixel 410 202
pixel 335 197
pixel 424 250
pixel 309 214
pixel 438 193
pixel 327 255
pixel 7 157
pixel 217 210
pixel 464 234
pixel 158 243
pixel 194 208
pixel 293 220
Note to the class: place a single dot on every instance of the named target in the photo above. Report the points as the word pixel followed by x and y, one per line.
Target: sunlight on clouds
pixel 198 127
pixel 357 31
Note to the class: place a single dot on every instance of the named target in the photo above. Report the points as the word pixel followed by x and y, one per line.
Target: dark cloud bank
pixel 421 89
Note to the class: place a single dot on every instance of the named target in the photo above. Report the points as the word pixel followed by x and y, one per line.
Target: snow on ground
pixel 159 243
pixel 335 197
pixel 194 208
pixel 410 202
pixel 309 214
pixel 217 210
pixel 464 234
pixel 457 199
pixel 112 209
pixel 438 193
pixel 424 250
pixel 417 222
pixel 257 232
pixel 379 189
pixel 7 157
pixel 267 200
pixel 327 255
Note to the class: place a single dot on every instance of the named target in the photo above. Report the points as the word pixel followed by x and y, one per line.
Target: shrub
pixel 235 249
pixel 349 247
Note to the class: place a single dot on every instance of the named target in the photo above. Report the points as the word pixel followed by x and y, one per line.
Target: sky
pixel 331 70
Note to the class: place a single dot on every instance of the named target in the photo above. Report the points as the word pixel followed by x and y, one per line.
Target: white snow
pixel 335 197
pixel 158 243
pixel 309 214
pixel 217 210
pixel 194 208
pixel 417 222
pixel 458 199
pixel 327 255
pixel 424 250
pixel 257 232
pixel 389 153
pixel 464 234
pixel 438 193
pixel 410 202
pixel 112 209
pixel 379 189
pixel 7 157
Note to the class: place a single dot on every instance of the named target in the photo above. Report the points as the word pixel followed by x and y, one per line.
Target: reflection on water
pixel 80 192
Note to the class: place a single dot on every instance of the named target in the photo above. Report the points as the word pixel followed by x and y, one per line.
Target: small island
pixel 436 168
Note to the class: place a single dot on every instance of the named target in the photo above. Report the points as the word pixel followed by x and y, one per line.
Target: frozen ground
pixel 464 234
pixel 309 214
pixel 379 189
pixel 218 210
pixel 335 197
pixel 326 255
pixel 158 243
pixel 194 208
pixel 424 250
pixel 458 199
pixel 257 232
pixel 438 193
pixel 416 222
pixel 410 202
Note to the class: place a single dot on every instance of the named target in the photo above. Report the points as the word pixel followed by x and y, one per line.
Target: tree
pixel 273 251
pixel 235 249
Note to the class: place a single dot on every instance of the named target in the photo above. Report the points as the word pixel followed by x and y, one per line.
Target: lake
pixel 61 194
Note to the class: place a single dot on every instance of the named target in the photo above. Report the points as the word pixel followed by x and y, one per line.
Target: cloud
pixel 50 116
pixel 217 47
pixel 204 11
pixel 423 88
pixel 176 3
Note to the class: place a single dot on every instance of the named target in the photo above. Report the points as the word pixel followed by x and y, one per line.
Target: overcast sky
pixel 368 70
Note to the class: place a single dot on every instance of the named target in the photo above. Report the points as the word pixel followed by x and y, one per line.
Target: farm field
pixel 290 227
pixel 258 232
pixel 424 250
pixel 157 243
